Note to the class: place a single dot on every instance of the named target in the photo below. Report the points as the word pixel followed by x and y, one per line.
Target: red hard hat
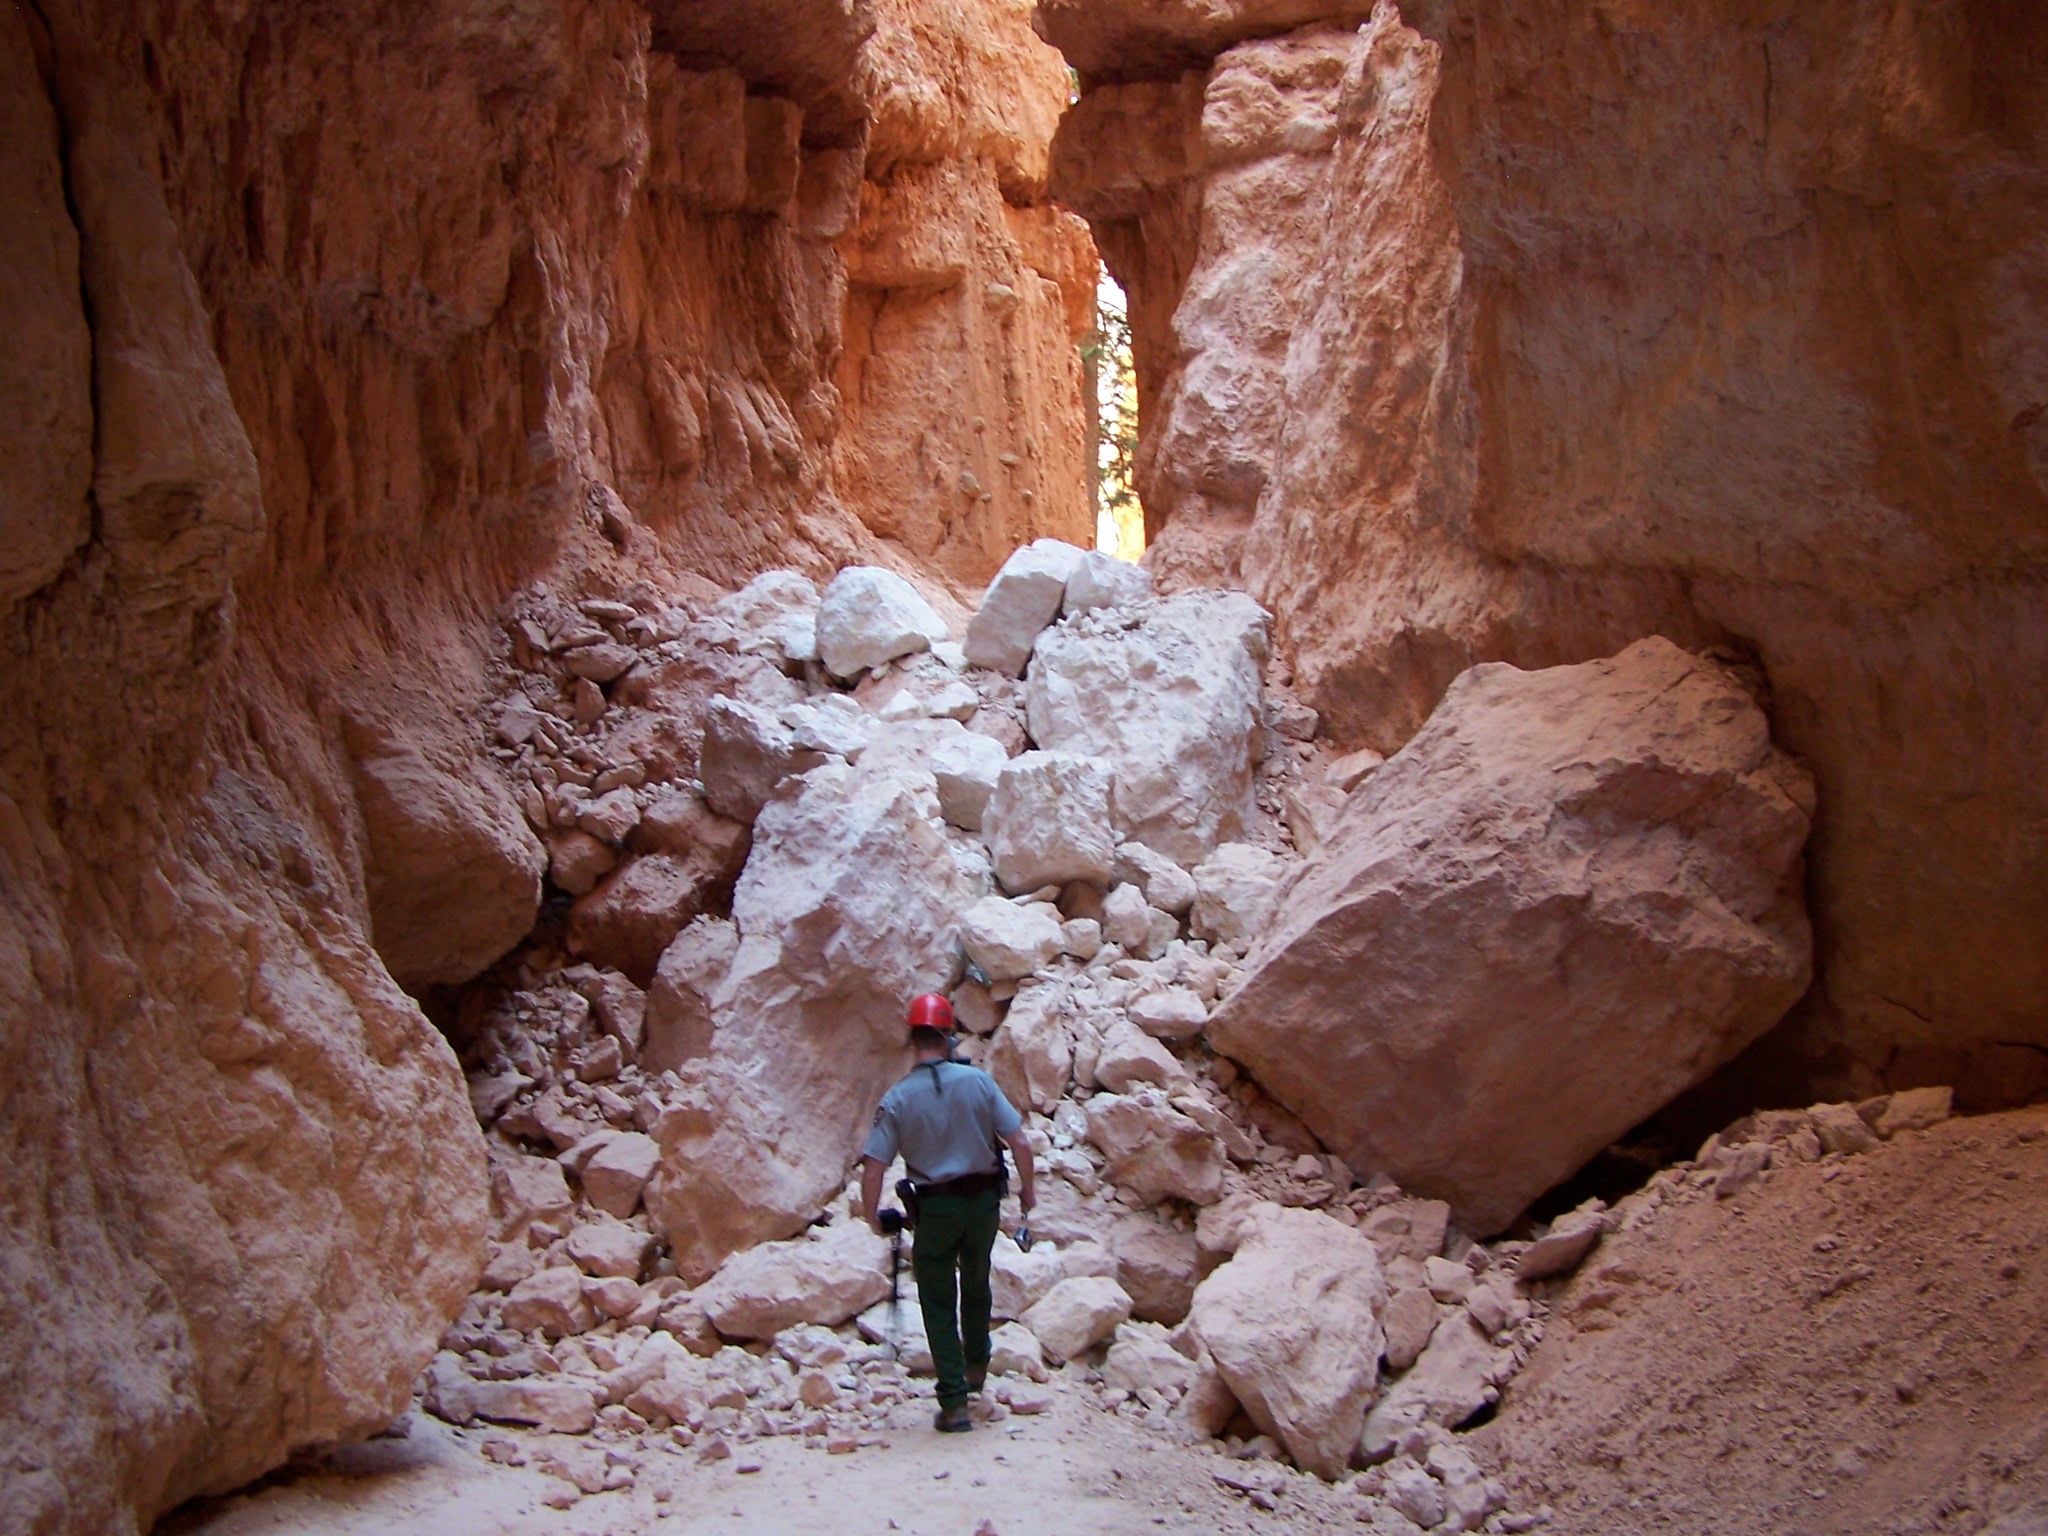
pixel 932 1012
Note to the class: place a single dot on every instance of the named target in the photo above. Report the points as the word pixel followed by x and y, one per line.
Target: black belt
pixel 966 1186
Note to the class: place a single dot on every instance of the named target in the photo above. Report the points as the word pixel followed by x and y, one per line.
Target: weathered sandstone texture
pixel 1483 332
pixel 969 293
pixel 346 364
pixel 1571 896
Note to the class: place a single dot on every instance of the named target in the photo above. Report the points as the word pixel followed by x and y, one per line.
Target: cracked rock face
pixel 1574 894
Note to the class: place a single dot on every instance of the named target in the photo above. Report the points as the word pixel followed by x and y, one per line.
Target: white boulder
pixel 1163 883
pixel 1130 1059
pixel 825 1279
pixel 618 1171
pixel 1048 821
pixel 967 766
pixel 1008 942
pixel 747 751
pixel 869 616
pixel 1459 1373
pixel 1171 707
pixel 1235 888
pixel 1293 1325
pixel 1103 581
pixel 1154 1150
pixel 679 1020
pixel 1023 599
pixel 1077 1314
pixel 1172 1013
pixel 774 615
pixel 1031 1056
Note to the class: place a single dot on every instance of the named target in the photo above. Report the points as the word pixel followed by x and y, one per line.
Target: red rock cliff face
pixel 329 330
pixel 1553 328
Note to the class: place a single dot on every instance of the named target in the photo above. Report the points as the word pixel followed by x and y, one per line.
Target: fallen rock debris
pixel 1205 1266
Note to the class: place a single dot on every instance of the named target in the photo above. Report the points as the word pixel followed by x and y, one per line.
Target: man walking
pixel 949 1121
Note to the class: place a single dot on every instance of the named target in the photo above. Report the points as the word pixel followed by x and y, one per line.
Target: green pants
pixel 954 1236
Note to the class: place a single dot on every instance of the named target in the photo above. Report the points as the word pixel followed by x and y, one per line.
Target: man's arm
pixel 1027 1174
pixel 871 1172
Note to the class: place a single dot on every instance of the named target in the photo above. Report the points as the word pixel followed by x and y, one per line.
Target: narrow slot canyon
pixel 1430 619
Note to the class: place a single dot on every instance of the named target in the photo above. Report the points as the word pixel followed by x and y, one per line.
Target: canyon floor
pixel 1853 1345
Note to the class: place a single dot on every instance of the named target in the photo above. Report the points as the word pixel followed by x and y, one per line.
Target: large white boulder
pixel 1008 942
pixel 848 906
pixel 618 1171
pixel 1293 1324
pixel 1171 706
pixel 679 1018
pixel 966 767
pixel 1154 1150
pixel 1574 894
pixel 747 751
pixel 1048 821
pixel 1077 1314
pixel 1130 1058
pixel 1031 1055
pixel 1235 888
pixel 823 1279
pixel 1023 599
pixel 1103 581
pixel 774 615
pixel 1163 883
pixel 869 616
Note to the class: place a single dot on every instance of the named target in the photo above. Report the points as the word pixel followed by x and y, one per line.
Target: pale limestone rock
pixel 1164 883
pixel 1157 1265
pixel 967 766
pixel 824 1279
pixel 618 1171
pixel 869 616
pixel 1346 773
pixel 1410 1319
pixel 1102 581
pixel 1841 1129
pixel 1081 937
pixel 1415 1494
pixel 1014 1350
pixel 974 1010
pixel 1459 1373
pixel 1171 707
pixel 1031 1056
pixel 774 615
pixel 558 1404
pixel 1023 599
pixel 747 751
pixel 832 724
pixel 525 1190
pixel 1077 1314
pixel 1293 1324
pixel 550 1300
pixel 1048 821
pixel 607 1247
pixel 1141 1358
pixel 1173 1013
pixel 637 911
pixel 1154 1150
pixel 1129 1057
pixel 679 1016
pixel 1447 1280
pixel 1006 941
pixel 1411 1229
pixel 1563 1248
pixel 1126 918
pixel 1018 1279
pixel 1236 887
pixel 849 906
pixel 1630 815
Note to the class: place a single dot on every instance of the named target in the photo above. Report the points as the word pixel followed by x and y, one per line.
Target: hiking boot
pixel 953 1421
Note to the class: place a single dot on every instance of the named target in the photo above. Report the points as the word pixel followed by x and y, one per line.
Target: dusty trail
pixel 1074 1471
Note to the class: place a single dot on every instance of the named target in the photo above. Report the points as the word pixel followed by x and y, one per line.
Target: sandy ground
pixel 1846 1348
pixel 1076 1471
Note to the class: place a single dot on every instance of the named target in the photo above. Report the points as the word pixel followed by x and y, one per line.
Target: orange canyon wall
pixel 331 327
pixel 1476 331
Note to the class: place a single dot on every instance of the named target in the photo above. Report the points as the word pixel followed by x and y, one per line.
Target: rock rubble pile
pixel 1098 825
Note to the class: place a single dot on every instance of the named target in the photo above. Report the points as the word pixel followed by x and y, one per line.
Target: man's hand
pixel 871 1173
pixel 1027 1172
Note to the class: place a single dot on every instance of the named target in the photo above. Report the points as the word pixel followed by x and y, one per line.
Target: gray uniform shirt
pixel 945 1123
